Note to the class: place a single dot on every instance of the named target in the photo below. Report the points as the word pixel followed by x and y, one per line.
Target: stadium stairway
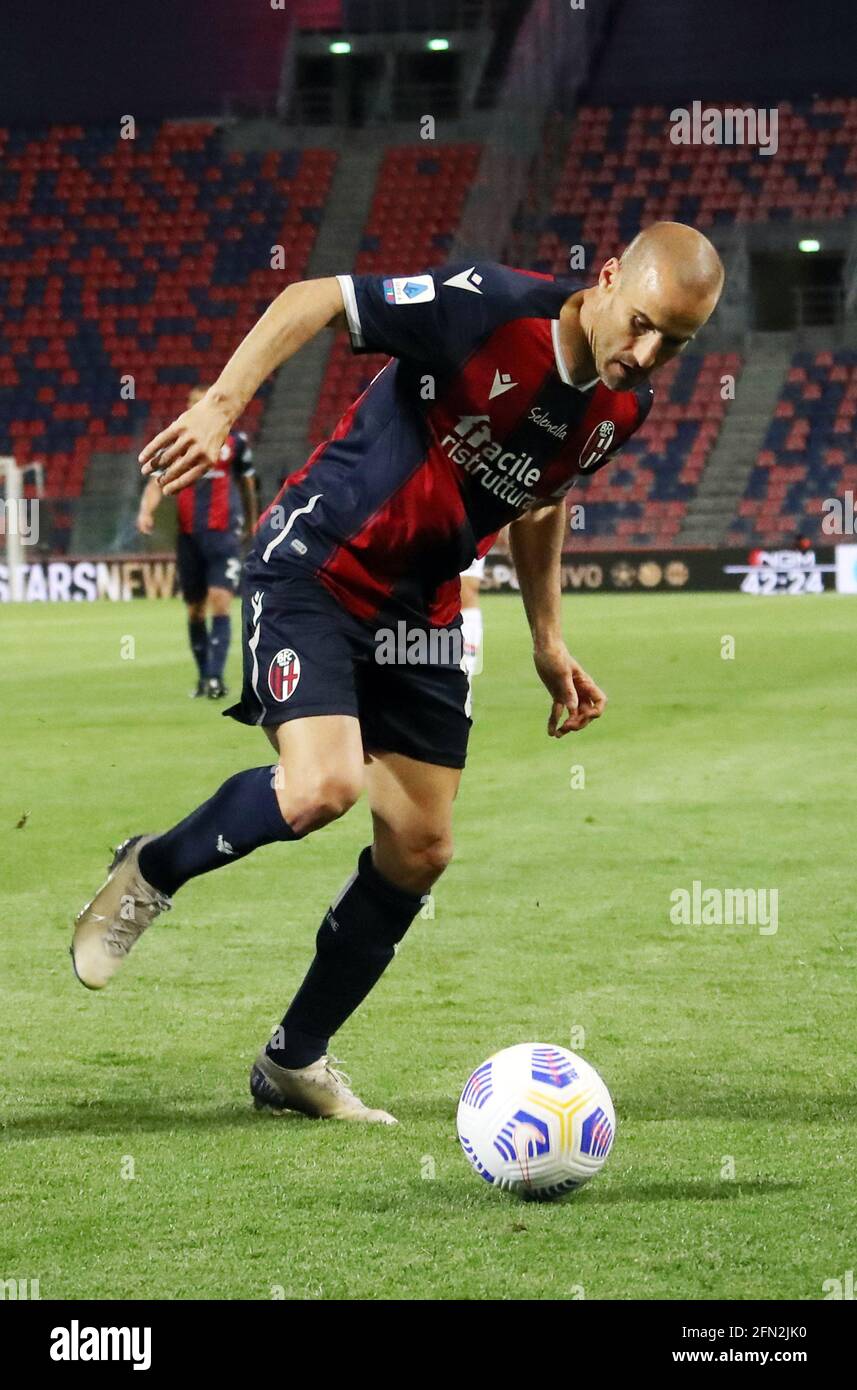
pixel 734 455
pixel 282 442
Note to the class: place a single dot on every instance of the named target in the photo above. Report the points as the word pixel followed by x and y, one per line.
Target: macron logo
pixel 223 846
pixel 466 280
pixel 76 1343
pixel 502 383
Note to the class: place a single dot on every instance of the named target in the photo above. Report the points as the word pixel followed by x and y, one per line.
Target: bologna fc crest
pixel 284 673
pixel 597 445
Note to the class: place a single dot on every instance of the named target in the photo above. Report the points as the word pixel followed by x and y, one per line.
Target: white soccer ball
pixel 536 1120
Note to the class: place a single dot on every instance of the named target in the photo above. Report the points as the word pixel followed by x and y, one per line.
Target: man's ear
pixel 609 274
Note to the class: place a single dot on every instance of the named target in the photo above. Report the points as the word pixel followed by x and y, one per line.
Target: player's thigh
pixel 469 592
pixel 471 580
pixel 222 565
pixel 219 601
pixel 299 671
pixel 320 768
pixel 411 804
pixel 418 707
pixel 191 567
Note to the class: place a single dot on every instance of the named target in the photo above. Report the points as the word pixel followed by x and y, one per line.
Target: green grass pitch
pixel 131 1162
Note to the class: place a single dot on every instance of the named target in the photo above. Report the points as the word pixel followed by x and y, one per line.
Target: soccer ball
pixel 536 1120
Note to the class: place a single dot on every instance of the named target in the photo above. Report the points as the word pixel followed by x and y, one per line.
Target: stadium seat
pixel 128 272
pixel 621 170
pixel 806 455
pixel 640 499
pixel 415 211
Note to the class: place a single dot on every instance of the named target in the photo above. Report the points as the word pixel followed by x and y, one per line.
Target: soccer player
pixel 212 514
pixel 471 616
pixel 503 389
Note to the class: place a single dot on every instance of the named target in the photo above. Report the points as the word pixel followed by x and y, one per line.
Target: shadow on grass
pixel 101 1117
pixel 722 1102
pixel 718 1103
pixel 626 1189
pixel 458 1195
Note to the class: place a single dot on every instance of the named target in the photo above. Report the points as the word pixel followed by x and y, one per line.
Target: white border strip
pixel 355 328
pixel 253 644
pixel 278 540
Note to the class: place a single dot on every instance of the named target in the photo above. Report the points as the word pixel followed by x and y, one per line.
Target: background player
pixel 471 618
pixel 212 515
pixel 471 612
pixel 380 522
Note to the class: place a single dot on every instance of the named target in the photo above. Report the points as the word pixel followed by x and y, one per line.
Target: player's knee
pixel 425 857
pixel 219 602
pixel 336 794
pixel 319 801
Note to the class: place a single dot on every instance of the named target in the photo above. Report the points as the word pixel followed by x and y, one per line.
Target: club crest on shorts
pixel 597 445
pixel 284 673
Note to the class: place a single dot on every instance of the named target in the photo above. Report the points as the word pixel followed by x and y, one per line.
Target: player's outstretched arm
pixel 536 544
pixel 191 444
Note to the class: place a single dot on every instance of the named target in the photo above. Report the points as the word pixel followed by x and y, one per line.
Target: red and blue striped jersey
pixel 473 422
pixel 213 502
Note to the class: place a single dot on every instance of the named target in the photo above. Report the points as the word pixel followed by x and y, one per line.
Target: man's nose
pixel 646 350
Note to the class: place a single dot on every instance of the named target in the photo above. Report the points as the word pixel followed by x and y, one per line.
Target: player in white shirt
pixel 471 618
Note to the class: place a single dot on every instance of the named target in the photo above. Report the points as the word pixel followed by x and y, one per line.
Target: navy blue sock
pixel 218 646
pixel 240 817
pixel 354 946
pixel 198 637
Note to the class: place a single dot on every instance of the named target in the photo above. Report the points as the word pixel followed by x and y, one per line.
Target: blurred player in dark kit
pixel 213 515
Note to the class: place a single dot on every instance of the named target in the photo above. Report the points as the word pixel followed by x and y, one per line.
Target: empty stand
pixel 640 499
pixel 417 205
pixel 622 171
pixel 808 452
pixel 129 270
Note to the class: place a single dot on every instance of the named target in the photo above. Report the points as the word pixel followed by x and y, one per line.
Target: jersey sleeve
pixel 440 316
pixel 242 462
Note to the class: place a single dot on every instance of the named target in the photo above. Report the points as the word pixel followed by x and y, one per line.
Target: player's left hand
pixel 187 448
pixel 575 694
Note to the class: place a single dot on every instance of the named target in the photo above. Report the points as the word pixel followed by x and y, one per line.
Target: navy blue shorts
pixel 304 654
pixel 207 560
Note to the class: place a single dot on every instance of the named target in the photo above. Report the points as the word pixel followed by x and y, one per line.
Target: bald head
pixel 649 304
pixel 673 251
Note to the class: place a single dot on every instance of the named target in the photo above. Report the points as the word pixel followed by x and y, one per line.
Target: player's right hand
pixel 145 523
pixel 187 448
pixel 576 699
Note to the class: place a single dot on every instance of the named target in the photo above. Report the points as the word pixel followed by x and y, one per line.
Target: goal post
pixel 19 520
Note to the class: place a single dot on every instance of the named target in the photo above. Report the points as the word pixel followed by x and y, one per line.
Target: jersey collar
pixel 560 363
